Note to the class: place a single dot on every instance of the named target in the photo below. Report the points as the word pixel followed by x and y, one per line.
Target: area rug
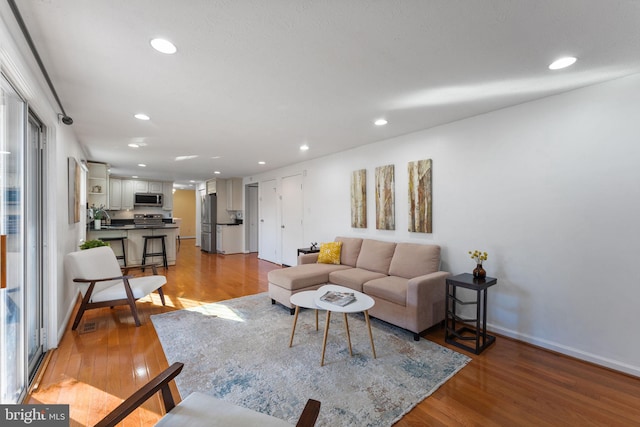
pixel 238 350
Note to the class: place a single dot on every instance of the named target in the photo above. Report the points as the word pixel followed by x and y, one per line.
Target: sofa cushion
pixel 330 253
pixel 353 278
pixel 389 288
pixel 350 250
pixel 413 260
pixel 302 276
pixel 375 255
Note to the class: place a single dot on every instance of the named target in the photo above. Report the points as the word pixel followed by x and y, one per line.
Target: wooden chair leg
pixel 132 301
pixel 161 292
pixel 83 306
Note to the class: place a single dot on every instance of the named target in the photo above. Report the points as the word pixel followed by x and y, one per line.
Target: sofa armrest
pixel 426 295
pixel 307 258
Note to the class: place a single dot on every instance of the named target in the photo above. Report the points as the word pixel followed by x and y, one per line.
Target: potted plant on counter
pixel 89 244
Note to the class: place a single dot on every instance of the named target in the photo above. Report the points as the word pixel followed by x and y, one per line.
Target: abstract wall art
pixel 359 199
pixel 420 196
pixel 385 198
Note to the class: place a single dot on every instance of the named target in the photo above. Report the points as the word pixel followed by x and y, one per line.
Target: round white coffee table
pixel 362 304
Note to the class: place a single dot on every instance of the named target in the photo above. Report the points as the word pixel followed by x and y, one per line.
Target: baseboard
pixel 569 351
pixel 67 316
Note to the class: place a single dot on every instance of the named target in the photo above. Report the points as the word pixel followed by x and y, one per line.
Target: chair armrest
pixel 308 258
pixel 159 383
pixel 309 414
pixel 101 280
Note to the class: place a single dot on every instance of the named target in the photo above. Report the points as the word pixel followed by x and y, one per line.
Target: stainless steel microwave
pixel 147 199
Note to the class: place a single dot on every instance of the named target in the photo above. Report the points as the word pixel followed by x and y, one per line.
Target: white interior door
pixel 268 225
pixel 291 228
pixel 252 217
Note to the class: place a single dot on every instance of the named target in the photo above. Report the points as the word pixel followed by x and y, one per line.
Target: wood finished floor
pixel 510 384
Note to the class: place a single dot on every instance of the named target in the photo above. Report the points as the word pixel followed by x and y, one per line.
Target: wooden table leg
pixel 293 330
pixel 346 324
pixel 326 333
pixel 366 317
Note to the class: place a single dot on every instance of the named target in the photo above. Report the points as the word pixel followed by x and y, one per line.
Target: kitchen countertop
pixel 134 227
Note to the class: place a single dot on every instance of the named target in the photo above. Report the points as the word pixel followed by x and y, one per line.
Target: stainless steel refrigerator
pixel 209 219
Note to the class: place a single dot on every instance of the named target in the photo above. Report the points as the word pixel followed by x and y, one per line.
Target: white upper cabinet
pixel 115 194
pixel 234 194
pixel 155 186
pixel 167 196
pixel 127 194
pixel 140 187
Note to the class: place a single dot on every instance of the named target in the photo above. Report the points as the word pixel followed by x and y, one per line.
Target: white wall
pixel 551 189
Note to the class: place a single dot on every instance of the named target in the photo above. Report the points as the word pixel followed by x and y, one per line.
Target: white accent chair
pixel 103 283
pixel 199 409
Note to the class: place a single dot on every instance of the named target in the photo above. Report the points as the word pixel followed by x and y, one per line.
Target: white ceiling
pixel 254 80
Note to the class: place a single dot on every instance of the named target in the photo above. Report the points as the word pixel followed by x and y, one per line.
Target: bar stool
pixel 115 239
pixel 163 254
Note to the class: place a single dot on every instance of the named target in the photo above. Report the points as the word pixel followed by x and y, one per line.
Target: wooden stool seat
pixel 123 257
pixel 146 253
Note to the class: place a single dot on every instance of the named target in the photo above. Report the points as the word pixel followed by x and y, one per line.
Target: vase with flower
pixel 479 258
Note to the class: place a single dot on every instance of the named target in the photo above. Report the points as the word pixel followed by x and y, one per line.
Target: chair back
pixel 94 263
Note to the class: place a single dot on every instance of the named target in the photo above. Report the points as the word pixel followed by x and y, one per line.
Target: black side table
pixel 454 334
pixel 308 251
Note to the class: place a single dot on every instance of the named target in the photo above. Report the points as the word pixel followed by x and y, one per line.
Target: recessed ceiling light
pixel 304 147
pixel 132 145
pixel 216 172
pixel 380 122
pixel 216 157
pixel 142 165
pixel 134 176
pixel 141 116
pixel 180 158
pixel 262 163
pixel 562 63
pixel 163 46
pixel 191 180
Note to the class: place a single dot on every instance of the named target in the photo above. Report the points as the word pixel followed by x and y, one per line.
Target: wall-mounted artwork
pixel 359 199
pixel 385 198
pixel 74 187
pixel 420 211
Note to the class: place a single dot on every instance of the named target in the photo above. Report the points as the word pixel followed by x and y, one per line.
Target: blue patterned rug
pixel 238 350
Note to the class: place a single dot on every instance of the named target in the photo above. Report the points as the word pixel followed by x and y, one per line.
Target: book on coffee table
pixel 338 298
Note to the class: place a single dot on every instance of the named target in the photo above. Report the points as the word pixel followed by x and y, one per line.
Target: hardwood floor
pixel 510 384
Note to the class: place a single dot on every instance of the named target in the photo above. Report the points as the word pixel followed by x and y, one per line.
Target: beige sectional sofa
pixel 403 279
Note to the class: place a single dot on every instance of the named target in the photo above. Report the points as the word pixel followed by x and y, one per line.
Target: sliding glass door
pixel 12 248
pixel 34 226
pixel 21 244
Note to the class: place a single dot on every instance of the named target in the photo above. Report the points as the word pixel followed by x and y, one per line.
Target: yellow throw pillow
pixel 330 253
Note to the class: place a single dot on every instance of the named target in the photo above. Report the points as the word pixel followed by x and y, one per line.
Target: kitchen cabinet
pixel 120 194
pixel 211 186
pixel 167 196
pixel 135 243
pixel 127 194
pixel 115 194
pixel 140 187
pixel 221 207
pixel 97 184
pixel 155 186
pixel 234 194
pixel 230 239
